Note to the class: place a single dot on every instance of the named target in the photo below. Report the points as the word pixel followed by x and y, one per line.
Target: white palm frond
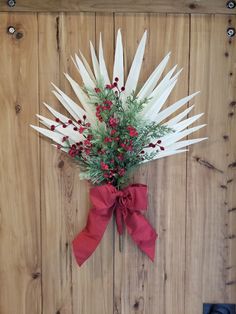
pixel 154 89
pixel 134 72
pixel 118 70
pixel 102 64
pixel 153 79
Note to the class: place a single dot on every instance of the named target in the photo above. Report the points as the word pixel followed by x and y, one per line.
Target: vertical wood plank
pixel 20 253
pixel 211 259
pixel 140 286
pixel 56 192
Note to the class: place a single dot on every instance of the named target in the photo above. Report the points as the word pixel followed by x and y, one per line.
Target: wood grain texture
pixel 210 245
pixel 191 197
pixel 56 186
pixel 140 286
pixel 144 6
pixel 20 252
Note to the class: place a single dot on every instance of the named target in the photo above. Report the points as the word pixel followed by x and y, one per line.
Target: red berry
pixel 57 120
pixel 79 121
pixel 97 90
pixel 70 121
pixel 122 88
pixel 115 84
pixel 159 142
pixel 64 126
pixel 84 117
pixel 75 128
pixel 52 127
pixel 116 79
pixel 162 148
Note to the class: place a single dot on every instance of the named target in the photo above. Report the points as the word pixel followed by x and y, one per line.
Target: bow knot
pixel 127 205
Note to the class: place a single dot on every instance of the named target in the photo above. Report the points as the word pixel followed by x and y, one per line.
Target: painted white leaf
pixel 75 136
pixel 171 109
pixel 156 106
pixel 83 98
pixel 95 62
pixel 165 82
pixel 75 110
pixel 57 114
pixel 165 154
pixel 47 122
pixel 118 70
pixel 87 66
pixel 172 138
pixel 68 131
pixel 64 149
pixel 185 143
pixel 56 137
pixel 88 82
pixel 179 117
pixel 153 79
pixel 184 124
pixel 134 72
pixel 102 64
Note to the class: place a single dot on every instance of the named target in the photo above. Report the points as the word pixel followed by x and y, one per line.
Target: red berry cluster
pixel 81 126
pixel 82 148
pixel 82 123
pixel 115 85
pixel 157 144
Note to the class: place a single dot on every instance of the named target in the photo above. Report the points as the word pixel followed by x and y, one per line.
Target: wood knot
pixel 61 164
pixel 17 108
pixel 223 186
pixel 233 103
pixel 226 54
pixel 232 165
pixel 136 305
pixel 19 35
pixel 225 137
pixel 192 6
pixel 35 275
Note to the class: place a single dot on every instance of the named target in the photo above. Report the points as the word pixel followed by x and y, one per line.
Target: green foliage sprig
pixel 119 141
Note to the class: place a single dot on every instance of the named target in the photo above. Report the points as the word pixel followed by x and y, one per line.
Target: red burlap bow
pixel 127 205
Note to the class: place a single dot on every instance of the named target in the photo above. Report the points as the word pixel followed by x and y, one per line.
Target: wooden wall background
pixel 43 205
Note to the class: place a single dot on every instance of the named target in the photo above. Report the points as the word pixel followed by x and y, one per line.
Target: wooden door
pixel 43 204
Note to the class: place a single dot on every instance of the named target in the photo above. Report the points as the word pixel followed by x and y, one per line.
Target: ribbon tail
pixel 88 239
pixel 142 233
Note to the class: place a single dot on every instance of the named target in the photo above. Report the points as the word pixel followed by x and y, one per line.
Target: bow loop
pixel 103 197
pixel 136 197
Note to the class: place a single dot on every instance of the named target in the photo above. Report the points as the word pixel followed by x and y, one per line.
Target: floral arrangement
pixel 116 129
